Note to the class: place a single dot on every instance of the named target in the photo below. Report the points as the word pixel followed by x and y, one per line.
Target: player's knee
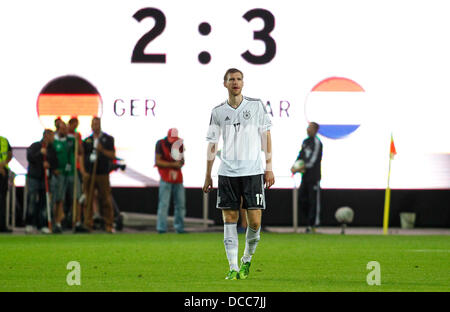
pixel 255 225
pixel 230 216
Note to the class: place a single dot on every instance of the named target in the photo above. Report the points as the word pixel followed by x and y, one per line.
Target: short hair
pixel 47 132
pixel 57 120
pixel 231 71
pixel 73 119
pixel 315 124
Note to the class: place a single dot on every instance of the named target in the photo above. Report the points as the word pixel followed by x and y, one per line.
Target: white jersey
pixel 241 130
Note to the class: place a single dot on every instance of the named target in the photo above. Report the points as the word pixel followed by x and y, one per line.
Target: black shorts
pixel 249 188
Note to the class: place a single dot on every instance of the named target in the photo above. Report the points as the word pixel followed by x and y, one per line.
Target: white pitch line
pixel 430 250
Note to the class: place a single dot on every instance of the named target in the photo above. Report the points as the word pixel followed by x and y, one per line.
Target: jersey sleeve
pixel 158 148
pixel 316 155
pixel 213 134
pixel 264 120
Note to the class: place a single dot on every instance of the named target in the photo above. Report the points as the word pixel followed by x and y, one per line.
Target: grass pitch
pixel 196 262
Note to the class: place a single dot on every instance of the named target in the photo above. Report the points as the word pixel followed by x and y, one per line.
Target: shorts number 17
pixel 259 199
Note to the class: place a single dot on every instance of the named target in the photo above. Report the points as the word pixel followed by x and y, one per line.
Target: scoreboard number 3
pixel 139 56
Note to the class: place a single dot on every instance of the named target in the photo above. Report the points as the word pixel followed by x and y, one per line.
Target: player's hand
pixel 178 164
pixel 269 178
pixel 46 165
pixel 100 148
pixel 2 171
pixel 208 184
pixel 44 151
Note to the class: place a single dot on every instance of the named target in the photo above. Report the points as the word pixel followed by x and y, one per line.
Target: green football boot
pixel 244 271
pixel 232 275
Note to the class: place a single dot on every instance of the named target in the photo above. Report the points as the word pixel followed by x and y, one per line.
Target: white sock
pixel 231 243
pixel 251 241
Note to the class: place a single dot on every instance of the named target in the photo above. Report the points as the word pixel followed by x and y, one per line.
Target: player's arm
pixel 160 162
pixel 212 137
pixel 301 169
pixel 4 163
pixel 210 156
pixel 7 160
pixel 108 150
pixel 315 155
pixel 269 178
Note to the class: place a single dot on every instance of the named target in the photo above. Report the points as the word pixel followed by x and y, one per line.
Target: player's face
pixel 234 83
pixel 62 131
pixel 95 125
pixel 72 126
pixel 50 137
pixel 311 130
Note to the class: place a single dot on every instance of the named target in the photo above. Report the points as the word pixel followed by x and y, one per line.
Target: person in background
pixel 169 158
pixel 41 156
pixel 309 191
pixel 5 158
pixel 59 179
pixel 77 171
pixel 99 152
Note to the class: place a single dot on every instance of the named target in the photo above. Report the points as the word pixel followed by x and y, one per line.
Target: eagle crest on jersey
pixel 246 115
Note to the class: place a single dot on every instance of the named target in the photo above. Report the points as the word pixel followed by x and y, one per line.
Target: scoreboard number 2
pixel 139 56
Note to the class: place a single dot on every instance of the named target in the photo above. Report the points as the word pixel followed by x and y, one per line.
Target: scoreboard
pixel 363 70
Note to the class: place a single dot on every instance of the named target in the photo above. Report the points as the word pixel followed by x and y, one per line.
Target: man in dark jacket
pixel 41 156
pixel 99 154
pixel 309 192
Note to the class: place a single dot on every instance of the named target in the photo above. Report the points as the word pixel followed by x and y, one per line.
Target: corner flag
pixel 392 152
pixel 387 198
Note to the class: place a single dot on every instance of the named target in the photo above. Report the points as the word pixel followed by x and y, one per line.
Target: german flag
pixel 67 97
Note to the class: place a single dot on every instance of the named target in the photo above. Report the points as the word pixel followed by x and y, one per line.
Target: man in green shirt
pixel 5 158
pixel 60 179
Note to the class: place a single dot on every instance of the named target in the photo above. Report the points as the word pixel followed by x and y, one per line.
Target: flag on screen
pixel 66 97
pixel 337 104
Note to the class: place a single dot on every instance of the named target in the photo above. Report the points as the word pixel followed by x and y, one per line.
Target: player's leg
pixel 312 205
pixel 57 186
pixel 303 200
pixel 243 218
pixel 254 202
pixel 228 199
pixel 231 241
pixel 164 194
pixel 89 204
pixel 105 201
pixel 179 207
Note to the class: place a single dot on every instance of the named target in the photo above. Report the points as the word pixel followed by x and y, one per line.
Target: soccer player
pixel 244 125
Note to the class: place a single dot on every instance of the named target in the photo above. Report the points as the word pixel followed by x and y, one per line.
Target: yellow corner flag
pixel 387 198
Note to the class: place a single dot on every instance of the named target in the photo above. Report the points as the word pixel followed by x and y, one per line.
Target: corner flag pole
pixel 387 198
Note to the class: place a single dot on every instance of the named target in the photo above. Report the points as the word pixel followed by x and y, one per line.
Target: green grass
pixel 197 262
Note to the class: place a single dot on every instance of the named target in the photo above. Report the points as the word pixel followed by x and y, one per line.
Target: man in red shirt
pixel 169 160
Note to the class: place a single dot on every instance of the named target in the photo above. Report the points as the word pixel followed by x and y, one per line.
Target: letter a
pixel 374 277
pixel 74 277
